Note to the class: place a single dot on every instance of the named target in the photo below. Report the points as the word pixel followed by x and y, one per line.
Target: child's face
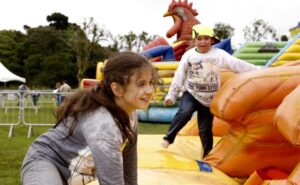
pixel 203 43
pixel 139 92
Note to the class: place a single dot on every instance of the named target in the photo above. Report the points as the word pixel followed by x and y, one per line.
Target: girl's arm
pixel 130 165
pixel 130 155
pixel 104 140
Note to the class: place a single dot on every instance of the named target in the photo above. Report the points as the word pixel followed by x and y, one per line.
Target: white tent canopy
pixel 6 75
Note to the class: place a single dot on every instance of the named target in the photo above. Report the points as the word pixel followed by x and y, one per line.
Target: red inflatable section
pixel 156 42
pixel 86 83
pixel 178 47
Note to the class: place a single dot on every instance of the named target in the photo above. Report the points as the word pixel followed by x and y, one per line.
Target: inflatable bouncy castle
pixel 256 124
pixel 260 146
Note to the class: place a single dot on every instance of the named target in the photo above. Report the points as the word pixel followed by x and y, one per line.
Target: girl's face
pixel 203 43
pixel 139 92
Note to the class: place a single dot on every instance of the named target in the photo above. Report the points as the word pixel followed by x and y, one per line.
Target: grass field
pixel 13 149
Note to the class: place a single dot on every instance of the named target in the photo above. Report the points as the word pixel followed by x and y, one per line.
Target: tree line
pixel 66 51
pixel 62 50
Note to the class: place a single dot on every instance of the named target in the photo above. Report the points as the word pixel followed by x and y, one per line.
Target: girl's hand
pixel 168 102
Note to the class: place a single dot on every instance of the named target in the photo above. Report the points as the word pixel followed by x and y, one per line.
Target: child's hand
pixel 168 102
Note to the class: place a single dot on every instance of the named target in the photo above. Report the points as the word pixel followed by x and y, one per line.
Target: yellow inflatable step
pixel 289 56
pixel 166 65
pixel 293 49
pixel 297 41
pixel 165 81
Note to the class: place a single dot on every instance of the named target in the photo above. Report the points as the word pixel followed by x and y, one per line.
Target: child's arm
pixel 177 82
pixel 237 65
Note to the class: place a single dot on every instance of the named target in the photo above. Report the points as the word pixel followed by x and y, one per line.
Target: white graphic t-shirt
pixel 200 73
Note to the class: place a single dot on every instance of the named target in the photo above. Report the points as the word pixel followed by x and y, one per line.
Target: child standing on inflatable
pixel 99 120
pixel 199 72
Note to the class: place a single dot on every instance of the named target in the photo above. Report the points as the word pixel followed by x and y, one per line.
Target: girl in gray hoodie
pixel 96 131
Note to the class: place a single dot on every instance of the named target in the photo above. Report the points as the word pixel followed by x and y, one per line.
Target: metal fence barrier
pixel 10 111
pixel 32 108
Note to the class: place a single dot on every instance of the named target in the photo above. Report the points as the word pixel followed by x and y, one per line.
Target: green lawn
pixel 13 149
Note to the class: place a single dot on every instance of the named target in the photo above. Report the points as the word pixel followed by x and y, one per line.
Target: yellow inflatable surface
pixel 100 65
pixel 290 54
pixel 175 177
pixel 180 164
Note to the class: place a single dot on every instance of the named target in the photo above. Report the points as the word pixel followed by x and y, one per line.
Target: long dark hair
pixel 118 68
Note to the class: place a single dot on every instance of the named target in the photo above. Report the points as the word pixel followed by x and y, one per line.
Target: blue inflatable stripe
pixel 158 114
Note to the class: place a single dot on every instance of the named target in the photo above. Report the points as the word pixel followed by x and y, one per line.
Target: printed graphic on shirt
pixel 203 78
pixel 83 168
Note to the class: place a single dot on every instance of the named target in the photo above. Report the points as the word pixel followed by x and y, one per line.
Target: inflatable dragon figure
pixel 184 19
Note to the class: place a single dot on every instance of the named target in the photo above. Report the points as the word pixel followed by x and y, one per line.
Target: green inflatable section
pixel 259 53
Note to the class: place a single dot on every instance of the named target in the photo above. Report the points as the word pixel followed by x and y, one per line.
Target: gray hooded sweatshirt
pixel 96 149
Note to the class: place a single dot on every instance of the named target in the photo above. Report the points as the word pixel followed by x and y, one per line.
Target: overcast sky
pixel 122 16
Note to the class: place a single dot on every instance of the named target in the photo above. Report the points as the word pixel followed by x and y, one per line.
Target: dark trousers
pixel 187 107
pixel 35 99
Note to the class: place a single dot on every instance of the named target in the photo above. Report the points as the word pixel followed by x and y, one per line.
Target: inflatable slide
pixel 290 52
pixel 259 53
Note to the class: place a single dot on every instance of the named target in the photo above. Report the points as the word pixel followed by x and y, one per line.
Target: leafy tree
pixel 259 30
pixel 62 50
pixel 83 41
pixel 58 20
pixel 10 44
pixel 223 31
pixel 143 39
pixel 98 54
pixel 47 57
pixel 132 41
pixel 127 41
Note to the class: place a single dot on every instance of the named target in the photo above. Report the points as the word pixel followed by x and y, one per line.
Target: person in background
pixel 57 93
pixel 35 96
pixel 23 88
pixel 64 89
pixel 102 120
pixel 199 72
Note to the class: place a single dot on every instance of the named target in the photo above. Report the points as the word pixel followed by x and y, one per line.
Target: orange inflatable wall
pixel 287 118
pixel 274 176
pixel 249 104
pixel 220 127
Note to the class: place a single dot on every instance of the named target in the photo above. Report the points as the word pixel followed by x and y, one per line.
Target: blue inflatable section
pixel 165 51
pixel 225 45
pixel 168 54
pixel 157 114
